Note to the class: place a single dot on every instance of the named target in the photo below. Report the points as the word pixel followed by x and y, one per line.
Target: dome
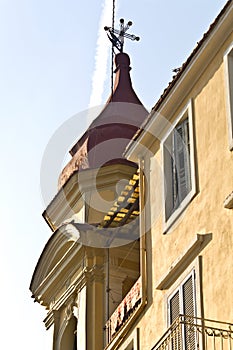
pixel 106 138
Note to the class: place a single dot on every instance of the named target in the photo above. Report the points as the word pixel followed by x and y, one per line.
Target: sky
pixel 54 64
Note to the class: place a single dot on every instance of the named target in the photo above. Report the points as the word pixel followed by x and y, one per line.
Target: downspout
pixel 142 227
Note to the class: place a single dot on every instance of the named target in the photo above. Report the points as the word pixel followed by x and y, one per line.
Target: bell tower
pixel 91 262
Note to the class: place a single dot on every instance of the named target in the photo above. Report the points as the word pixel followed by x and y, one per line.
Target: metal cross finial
pixel 118 40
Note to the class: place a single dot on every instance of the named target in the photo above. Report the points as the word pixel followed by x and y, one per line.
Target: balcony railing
pixel 124 310
pixel 193 333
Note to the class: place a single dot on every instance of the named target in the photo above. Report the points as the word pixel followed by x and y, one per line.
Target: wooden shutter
pixel 174 311
pixel 174 307
pixel 181 174
pixel 189 311
pixel 188 296
pixel 183 302
pixel 168 176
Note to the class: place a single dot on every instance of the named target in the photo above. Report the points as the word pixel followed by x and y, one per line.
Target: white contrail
pixel 101 57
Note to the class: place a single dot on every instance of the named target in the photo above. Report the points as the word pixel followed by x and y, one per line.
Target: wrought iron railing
pixel 124 311
pixel 193 333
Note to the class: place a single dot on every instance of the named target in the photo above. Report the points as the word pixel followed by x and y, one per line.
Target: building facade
pixel 141 256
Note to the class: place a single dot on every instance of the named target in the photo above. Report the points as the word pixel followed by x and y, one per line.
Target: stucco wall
pixel 205 213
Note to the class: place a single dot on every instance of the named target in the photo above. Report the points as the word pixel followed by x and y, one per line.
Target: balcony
pixel 125 310
pixel 192 333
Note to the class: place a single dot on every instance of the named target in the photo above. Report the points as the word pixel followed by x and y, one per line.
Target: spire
pixel 106 138
pixel 123 90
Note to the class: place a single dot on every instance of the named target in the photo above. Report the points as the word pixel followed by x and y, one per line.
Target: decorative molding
pixel 228 203
pixel 69 310
pixel 52 317
pixel 69 295
pixel 42 285
pixel 183 261
pixel 76 286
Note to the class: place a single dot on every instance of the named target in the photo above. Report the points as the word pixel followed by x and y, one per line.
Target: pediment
pixel 55 250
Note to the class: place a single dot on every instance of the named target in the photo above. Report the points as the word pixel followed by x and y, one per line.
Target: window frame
pixel 187 111
pixel 228 68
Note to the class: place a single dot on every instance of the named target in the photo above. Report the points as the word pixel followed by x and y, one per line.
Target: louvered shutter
pixel 181 174
pixel 188 297
pixel 174 306
pixel 183 302
pixel 189 311
pixel 168 175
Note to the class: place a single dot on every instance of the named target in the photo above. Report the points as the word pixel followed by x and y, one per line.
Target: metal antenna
pixel 117 36
pixel 112 63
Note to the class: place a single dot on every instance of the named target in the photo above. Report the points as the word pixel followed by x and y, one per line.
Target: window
pixel 183 302
pixel 178 163
pixel 228 59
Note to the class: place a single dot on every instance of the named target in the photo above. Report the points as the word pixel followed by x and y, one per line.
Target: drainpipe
pixel 142 227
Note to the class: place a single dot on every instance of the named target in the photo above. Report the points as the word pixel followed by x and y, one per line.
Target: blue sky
pixel 47 62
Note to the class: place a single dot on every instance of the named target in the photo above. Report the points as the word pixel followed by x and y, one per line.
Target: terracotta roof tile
pixel 191 56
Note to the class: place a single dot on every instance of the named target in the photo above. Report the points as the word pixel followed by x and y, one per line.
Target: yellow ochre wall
pixel 204 214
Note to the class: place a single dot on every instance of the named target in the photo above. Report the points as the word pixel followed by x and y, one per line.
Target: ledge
pixel 183 261
pixel 228 203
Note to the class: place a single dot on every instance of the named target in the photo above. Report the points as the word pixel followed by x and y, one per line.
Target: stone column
pixel 95 300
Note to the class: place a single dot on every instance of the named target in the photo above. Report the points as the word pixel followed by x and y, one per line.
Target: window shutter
pixel 189 310
pixel 182 180
pixel 188 297
pixel 168 176
pixel 174 307
pixel 183 301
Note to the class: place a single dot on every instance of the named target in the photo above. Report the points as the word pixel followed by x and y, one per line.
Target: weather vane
pixel 118 39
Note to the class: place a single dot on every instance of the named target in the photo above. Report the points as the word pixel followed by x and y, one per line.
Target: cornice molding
pixel 54 276
pixel 68 299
